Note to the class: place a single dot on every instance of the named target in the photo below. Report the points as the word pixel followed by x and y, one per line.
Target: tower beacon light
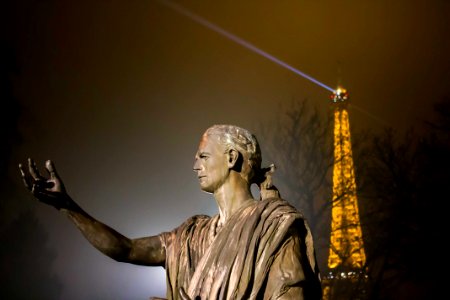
pixel 339 95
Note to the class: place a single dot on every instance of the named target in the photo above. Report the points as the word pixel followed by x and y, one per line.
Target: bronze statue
pixel 252 249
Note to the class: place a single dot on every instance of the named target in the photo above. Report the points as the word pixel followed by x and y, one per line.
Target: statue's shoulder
pixel 279 206
pixel 196 223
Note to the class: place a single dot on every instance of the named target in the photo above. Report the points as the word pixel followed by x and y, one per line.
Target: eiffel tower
pixel 346 260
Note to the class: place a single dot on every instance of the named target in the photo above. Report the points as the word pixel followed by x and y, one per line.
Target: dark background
pixel 118 93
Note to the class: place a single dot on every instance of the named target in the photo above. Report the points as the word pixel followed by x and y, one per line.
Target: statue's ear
pixel 233 158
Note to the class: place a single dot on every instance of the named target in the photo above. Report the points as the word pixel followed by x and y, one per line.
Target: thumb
pixel 50 166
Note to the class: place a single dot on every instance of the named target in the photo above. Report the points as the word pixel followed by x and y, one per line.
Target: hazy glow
pixel 118 96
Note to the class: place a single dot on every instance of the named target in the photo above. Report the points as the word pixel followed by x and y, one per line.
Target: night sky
pixel 118 93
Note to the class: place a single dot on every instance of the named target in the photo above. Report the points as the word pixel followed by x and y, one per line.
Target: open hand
pixel 49 190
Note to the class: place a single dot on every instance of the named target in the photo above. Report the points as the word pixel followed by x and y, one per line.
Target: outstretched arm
pixel 143 251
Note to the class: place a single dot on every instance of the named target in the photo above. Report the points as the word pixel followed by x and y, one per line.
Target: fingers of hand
pixel 50 166
pixel 33 170
pixel 26 179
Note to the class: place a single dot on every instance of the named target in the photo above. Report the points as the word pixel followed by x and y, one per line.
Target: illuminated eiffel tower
pixel 346 260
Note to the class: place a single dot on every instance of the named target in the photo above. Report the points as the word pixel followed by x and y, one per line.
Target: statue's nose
pixel 196 166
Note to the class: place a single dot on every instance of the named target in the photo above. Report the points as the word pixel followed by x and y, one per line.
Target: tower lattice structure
pixel 346 260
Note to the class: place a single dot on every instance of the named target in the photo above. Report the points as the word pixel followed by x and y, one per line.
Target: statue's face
pixel 211 164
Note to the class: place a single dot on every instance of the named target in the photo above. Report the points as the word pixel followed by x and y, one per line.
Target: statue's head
pixel 244 142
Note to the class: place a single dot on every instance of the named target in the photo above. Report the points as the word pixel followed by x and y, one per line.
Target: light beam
pixel 182 10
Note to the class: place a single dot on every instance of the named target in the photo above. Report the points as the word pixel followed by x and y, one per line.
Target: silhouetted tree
pixel 405 179
pixel 299 143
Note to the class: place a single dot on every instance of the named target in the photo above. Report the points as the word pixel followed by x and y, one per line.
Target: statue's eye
pixel 204 157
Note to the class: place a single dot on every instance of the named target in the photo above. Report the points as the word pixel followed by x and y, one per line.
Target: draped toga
pixel 263 251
